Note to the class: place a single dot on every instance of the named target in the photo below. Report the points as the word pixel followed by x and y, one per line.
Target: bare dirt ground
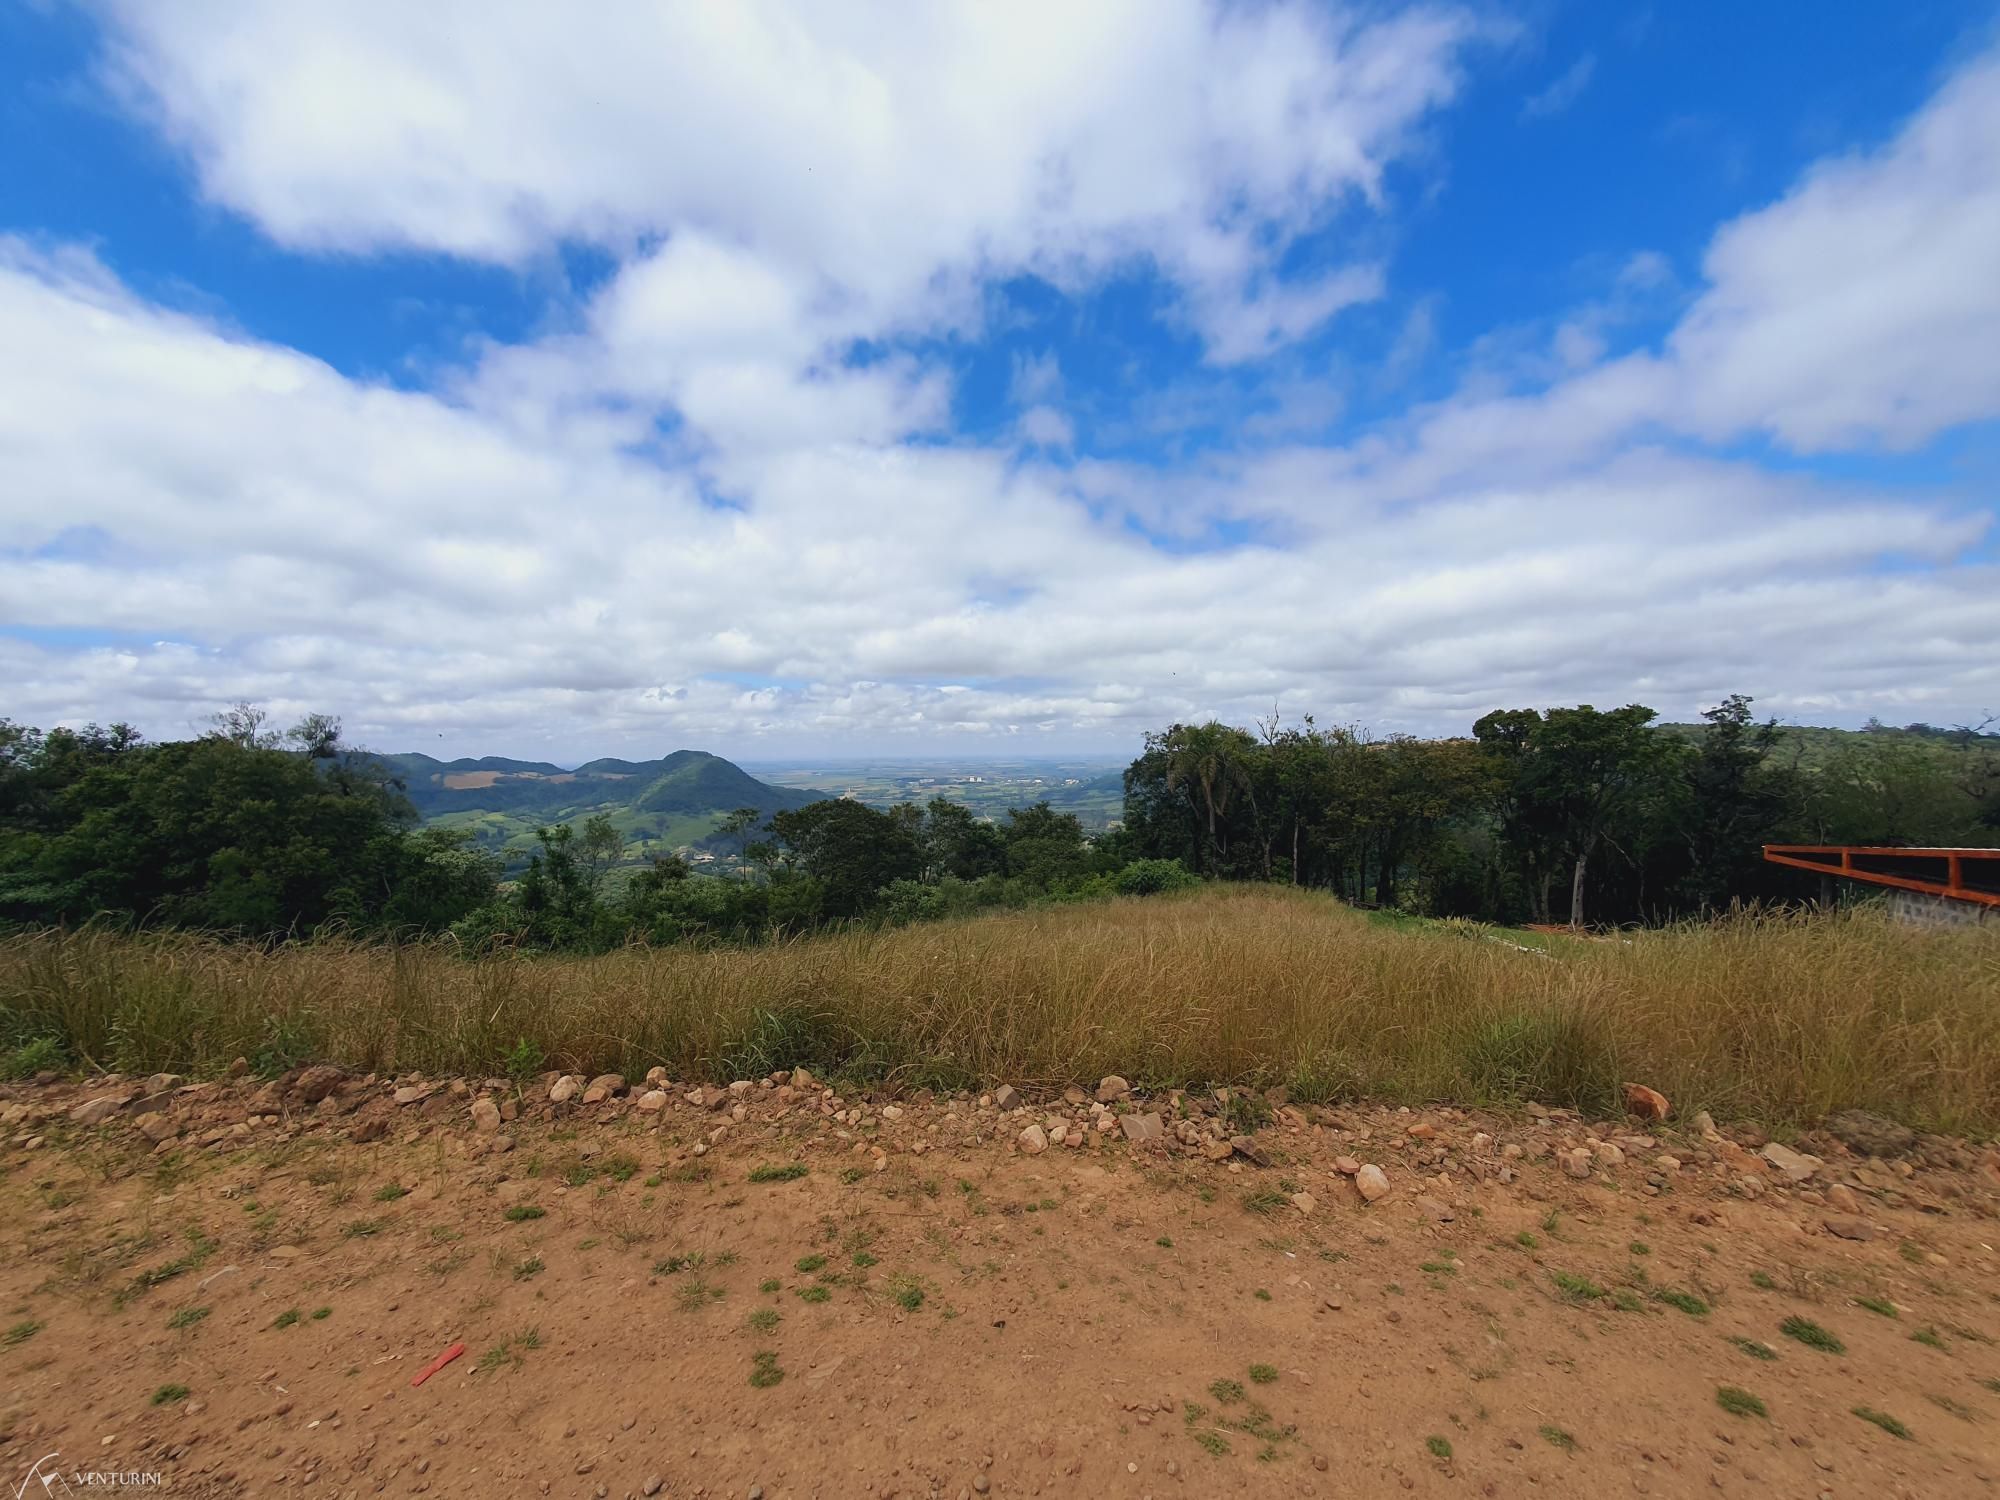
pixel 785 1292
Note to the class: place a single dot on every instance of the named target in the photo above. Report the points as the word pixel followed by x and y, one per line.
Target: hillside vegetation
pixel 655 805
pixel 1781 1019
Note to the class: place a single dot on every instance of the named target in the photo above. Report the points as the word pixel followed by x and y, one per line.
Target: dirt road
pixel 787 1292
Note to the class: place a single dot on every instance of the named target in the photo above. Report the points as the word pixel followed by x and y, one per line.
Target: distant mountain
pixel 659 805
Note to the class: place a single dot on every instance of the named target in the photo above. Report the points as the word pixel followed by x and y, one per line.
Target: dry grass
pixel 1777 1018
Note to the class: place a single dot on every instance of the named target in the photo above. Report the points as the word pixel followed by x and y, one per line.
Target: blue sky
pixel 871 380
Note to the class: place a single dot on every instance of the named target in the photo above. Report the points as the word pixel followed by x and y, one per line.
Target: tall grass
pixel 1779 1018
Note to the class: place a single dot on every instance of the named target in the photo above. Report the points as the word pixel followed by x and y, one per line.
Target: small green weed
pixel 1687 1302
pixel 1880 1305
pixel 531 1267
pixel 1762 1281
pixel 1264 1200
pixel 809 1262
pixel 320 1314
pixel 1440 1447
pixel 1263 1374
pixel 1752 1348
pixel 1527 1241
pixel 20 1332
pixel 187 1317
pixel 520 1213
pixel 1882 1420
pixel 763 1320
pixel 791 1171
pixel 812 1293
pixel 1226 1391
pixel 287 1318
pixel 1576 1288
pixel 1739 1402
pixel 764 1371
pixel 1555 1437
pixel 1928 1336
pixel 391 1192
pixel 1811 1335
pixel 168 1393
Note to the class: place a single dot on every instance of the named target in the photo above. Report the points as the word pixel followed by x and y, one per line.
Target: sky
pixel 937 378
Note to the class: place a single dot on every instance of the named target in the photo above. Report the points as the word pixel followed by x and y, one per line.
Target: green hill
pixel 659 805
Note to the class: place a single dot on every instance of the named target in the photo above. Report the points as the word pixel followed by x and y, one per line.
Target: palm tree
pixel 1215 758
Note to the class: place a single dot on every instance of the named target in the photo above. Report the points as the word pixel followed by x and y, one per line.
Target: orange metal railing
pixel 1956 874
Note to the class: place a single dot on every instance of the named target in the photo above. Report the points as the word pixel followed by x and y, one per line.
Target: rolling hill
pixel 659 805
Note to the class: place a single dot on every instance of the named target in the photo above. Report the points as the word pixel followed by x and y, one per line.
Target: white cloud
pixel 284 533
pixel 588 538
pixel 1864 306
pixel 1567 88
pixel 890 156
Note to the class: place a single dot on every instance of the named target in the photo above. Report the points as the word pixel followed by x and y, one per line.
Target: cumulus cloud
pixel 695 515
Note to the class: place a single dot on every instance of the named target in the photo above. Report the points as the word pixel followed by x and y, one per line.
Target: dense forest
pixel 1558 815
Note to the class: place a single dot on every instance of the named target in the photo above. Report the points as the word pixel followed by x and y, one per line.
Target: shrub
pixel 1151 877
pixel 1558 1058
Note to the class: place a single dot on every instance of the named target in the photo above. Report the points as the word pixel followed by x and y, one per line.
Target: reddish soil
pixel 1113 1319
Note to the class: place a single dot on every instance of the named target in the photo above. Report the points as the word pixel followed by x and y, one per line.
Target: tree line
pixel 1555 815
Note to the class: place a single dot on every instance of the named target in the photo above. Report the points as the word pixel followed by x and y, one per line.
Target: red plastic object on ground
pixel 437 1364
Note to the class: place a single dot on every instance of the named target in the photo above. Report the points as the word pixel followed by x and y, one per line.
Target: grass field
pixel 1780 1019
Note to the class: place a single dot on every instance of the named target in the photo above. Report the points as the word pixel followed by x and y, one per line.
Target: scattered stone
pixel 239 1066
pixel 409 1094
pixel 1607 1154
pixel 564 1090
pixel 1423 1130
pixel 1647 1104
pixel 97 1111
pixel 1112 1088
pixel 1005 1098
pixel 157 1128
pixel 371 1129
pixel 1870 1135
pixel 892 1112
pixel 318 1081
pixel 1347 1165
pixel 1842 1197
pixel 652 1102
pixel 1246 1147
pixel 653 1485
pixel 1217 1150
pixel 1797 1166
pixel 1703 1124
pixel 1304 1202
pixel 1850 1229
pixel 1034 1140
pixel 1576 1162
pixel 485 1115
pixel 1141 1129
pixel 1435 1208
pixel 1372 1182
pixel 602 1087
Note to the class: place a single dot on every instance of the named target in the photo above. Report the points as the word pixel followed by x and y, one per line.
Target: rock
pixel 1536 1111
pixel 238 1067
pixel 1843 1197
pixel 1141 1129
pixel 564 1090
pixel 1247 1148
pixel 602 1087
pixel 1217 1150
pixel 1607 1154
pixel 1034 1140
pixel 1435 1208
pixel 1870 1135
pixel 653 1485
pixel 157 1128
pixel 409 1094
pixel 1347 1165
pixel 1112 1088
pixel 1647 1104
pixel 1304 1202
pixel 1703 1124
pixel 1059 1135
pixel 892 1112
pixel 318 1081
pixel 1796 1166
pixel 160 1083
pixel 740 1087
pixel 485 1115
pixel 1005 1098
pixel 1576 1163
pixel 97 1111
pixel 371 1129
pixel 1372 1182
pixel 1850 1229
pixel 652 1102
pixel 656 1077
